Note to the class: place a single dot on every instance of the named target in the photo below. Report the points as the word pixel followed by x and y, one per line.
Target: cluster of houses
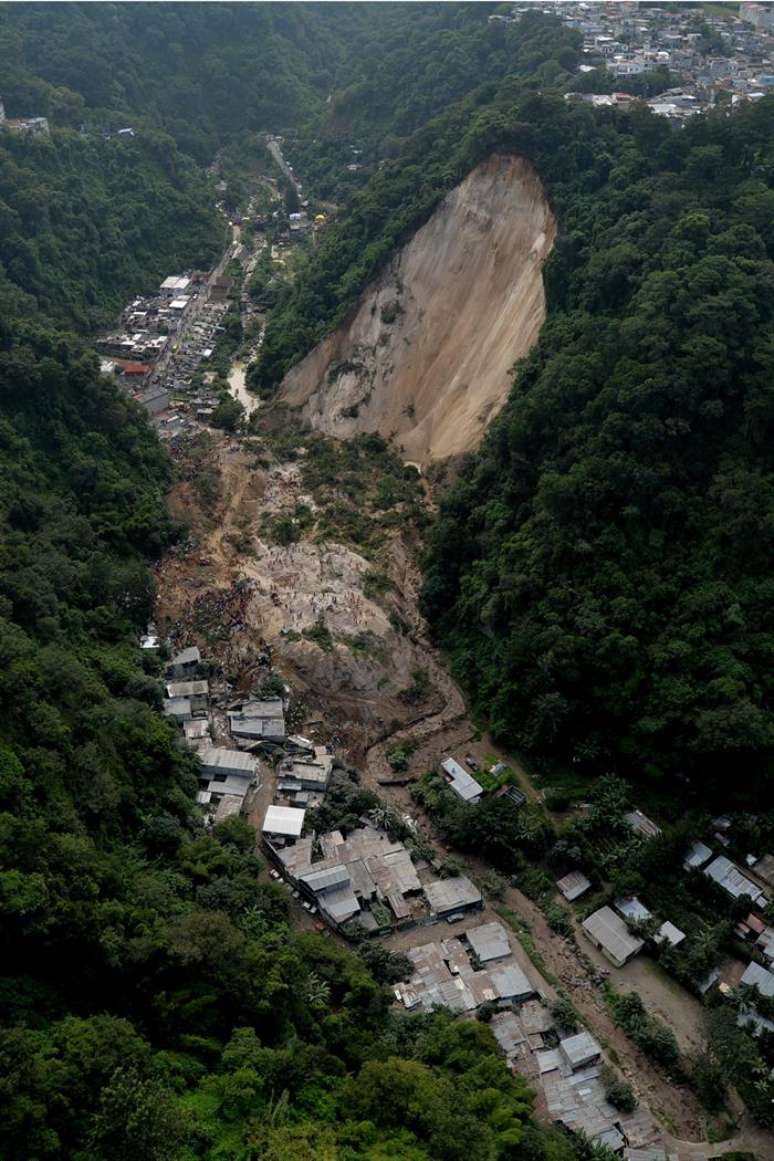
pixel 249 724
pixel 465 971
pixel 477 967
pixel 620 931
pixel 566 1073
pixel 160 341
pixel 629 40
pixel 29 126
pixel 364 883
pixel 466 787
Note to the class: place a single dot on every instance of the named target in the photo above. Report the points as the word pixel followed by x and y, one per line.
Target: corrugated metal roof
pixel 759 977
pixel 580 1049
pixel 698 853
pixel 187 688
pixel 728 876
pixel 631 908
pixel 489 941
pixel 326 878
pixel 460 781
pixel 572 886
pixel 611 933
pixel 218 758
pixel 447 894
pixel 283 820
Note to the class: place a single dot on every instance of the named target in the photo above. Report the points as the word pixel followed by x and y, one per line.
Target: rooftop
pixel 669 933
pixel 284 820
pixel 632 909
pixel 460 781
pixel 187 688
pixel 640 823
pixel 574 885
pixel 759 977
pixel 697 855
pixel 580 1049
pixel 447 894
pixel 611 933
pixel 489 941
pixel 189 656
pixel 728 876
pixel 219 758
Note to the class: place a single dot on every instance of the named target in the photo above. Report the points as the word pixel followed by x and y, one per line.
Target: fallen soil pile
pixel 426 357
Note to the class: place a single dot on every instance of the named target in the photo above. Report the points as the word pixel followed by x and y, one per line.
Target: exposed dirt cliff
pixel 426 356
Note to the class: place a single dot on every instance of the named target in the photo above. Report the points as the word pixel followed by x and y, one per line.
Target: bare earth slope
pixel 426 356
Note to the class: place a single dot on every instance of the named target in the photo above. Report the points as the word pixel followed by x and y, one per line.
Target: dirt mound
pixel 427 355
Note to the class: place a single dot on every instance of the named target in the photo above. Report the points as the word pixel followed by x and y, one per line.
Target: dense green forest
pixel 404 192
pixel 400 82
pixel 601 571
pixel 85 223
pixel 155 1002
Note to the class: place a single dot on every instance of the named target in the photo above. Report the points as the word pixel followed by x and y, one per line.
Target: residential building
pixel 462 783
pixel 641 824
pixel 450 898
pixel 489 942
pixel 608 932
pixel 728 876
pixel 282 825
pixel 755 976
pixel 184 664
pixel 178 708
pixel 574 885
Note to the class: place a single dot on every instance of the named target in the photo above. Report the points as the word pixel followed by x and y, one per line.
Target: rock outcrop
pixel 427 354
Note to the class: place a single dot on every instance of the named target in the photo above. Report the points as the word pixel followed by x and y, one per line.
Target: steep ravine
pixel 427 355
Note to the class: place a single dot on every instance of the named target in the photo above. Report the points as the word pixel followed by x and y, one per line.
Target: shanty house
pixel 259 718
pixel 580 1050
pixel 728 876
pixel 641 824
pixel 218 764
pixel 197 730
pixel 178 708
pixel 759 977
pixel 489 942
pixel 669 933
pixel 632 909
pixel 462 783
pixel 282 825
pixel 184 664
pixel 197 691
pixel 574 885
pixel 697 856
pixel 448 898
pixel 609 933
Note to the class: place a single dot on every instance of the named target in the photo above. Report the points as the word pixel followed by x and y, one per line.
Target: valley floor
pixel 349 654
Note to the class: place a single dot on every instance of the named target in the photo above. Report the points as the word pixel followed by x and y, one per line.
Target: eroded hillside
pixel 426 357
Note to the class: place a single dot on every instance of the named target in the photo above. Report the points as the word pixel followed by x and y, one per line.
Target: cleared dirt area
pixel 427 356
pixel 360 663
